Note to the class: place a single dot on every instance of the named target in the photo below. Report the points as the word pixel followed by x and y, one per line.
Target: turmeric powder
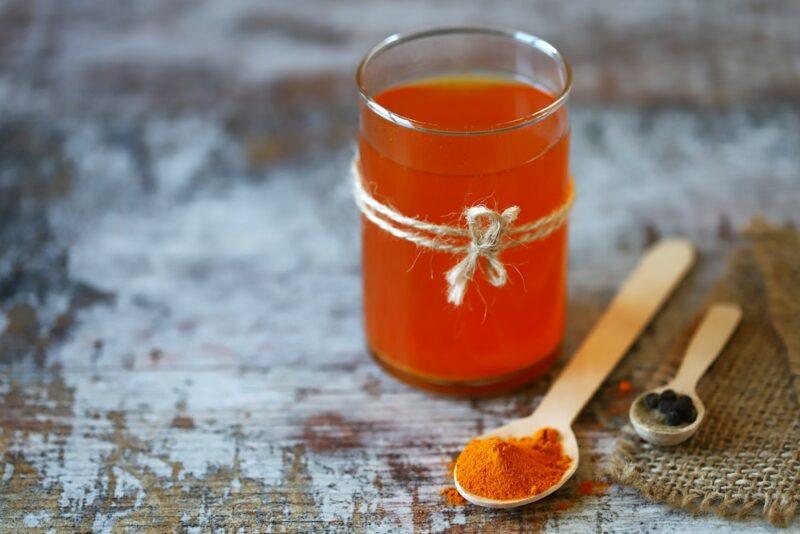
pixel 505 469
pixel 452 497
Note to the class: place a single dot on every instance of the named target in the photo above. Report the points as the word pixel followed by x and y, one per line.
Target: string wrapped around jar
pixel 486 234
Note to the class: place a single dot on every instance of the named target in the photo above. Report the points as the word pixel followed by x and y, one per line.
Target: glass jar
pixel 449 119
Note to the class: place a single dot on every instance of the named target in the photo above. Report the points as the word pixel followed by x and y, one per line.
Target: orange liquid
pixel 497 332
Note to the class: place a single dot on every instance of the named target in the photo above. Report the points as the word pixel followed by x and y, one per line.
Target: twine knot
pixel 488 233
pixel 487 230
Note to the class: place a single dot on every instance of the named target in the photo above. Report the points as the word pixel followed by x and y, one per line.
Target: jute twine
pixel 745 458
pixel 485 235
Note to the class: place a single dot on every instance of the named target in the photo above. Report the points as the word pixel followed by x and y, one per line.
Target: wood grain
pixel 180 336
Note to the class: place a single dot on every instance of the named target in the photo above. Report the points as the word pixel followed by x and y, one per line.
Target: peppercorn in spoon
pixel 640 297
pixel 671 414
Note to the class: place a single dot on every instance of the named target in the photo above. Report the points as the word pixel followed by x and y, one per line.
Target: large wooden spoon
pixel 640 297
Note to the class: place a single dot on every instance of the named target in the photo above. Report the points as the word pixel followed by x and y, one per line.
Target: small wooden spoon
pixel 706 344
pixel 640 297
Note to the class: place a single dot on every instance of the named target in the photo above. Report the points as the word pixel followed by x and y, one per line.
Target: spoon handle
pixel 637 301
pixel 706 344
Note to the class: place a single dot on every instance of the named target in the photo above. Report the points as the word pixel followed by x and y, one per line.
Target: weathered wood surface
pixel 180 344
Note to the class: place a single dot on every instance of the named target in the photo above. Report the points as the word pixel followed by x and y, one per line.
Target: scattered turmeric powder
pixel 452 497
pixel 512 468
pixel 590 487
pixel 564 505
pixel 624 386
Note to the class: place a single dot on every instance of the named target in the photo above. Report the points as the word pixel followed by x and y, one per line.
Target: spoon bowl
pixel 662 434
pixel 520 428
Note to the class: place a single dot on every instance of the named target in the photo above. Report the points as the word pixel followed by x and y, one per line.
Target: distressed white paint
pixel 246 280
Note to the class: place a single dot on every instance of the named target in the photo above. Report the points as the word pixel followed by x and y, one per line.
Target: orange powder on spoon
pixel 506 469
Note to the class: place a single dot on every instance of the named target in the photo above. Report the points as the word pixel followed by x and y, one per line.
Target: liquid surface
pixel 465 103
pixel 496 331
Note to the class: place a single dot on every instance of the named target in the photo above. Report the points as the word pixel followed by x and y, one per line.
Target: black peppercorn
pixel 651 401
pixel 690 416
pixel 674 418
pixel 668 395
pixel 683 403
pixel 666 406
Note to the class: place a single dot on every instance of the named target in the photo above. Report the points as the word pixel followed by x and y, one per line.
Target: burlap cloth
pixel 745 458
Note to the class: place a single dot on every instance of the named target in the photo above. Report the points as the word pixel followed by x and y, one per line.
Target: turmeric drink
pixel 497 332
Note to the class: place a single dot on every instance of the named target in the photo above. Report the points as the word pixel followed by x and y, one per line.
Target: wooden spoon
pixel 640 297
pixel 709 340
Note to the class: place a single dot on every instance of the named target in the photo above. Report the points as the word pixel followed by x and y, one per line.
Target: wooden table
pixel 181 342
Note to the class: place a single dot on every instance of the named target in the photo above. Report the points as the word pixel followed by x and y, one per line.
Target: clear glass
pixel 452 118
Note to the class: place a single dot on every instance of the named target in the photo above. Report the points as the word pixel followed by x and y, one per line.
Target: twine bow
pixel 487 229
pixel 488 233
